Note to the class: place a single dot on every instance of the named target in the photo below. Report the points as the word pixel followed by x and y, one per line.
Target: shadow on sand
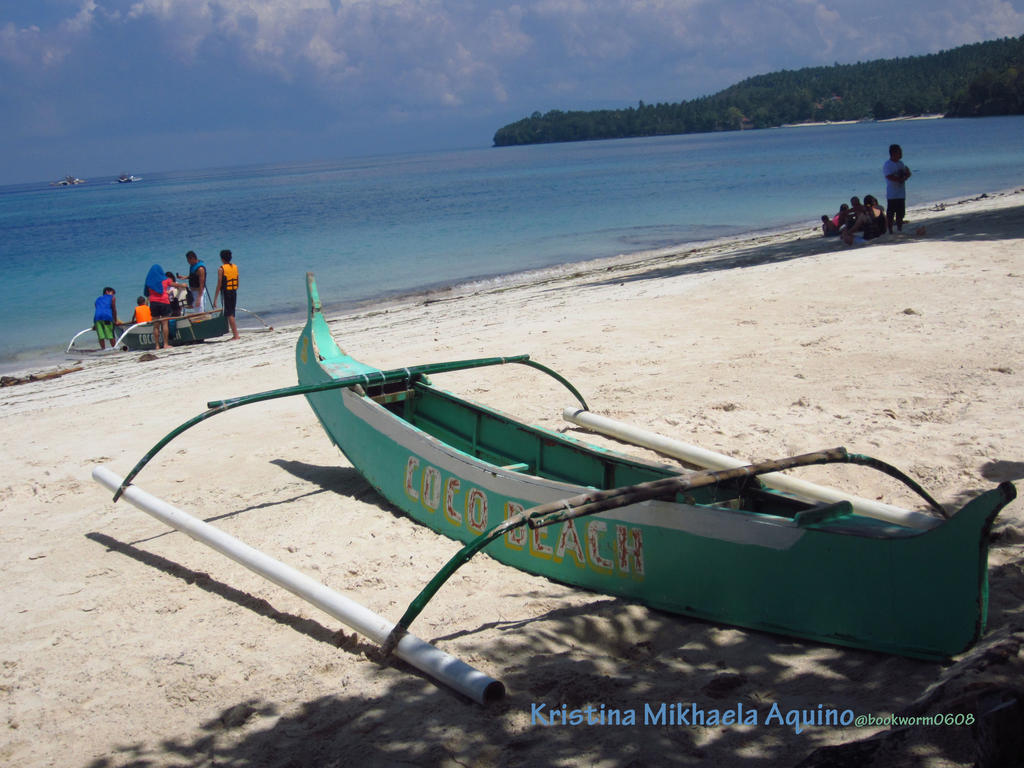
pixel 609 654
pixel 955 227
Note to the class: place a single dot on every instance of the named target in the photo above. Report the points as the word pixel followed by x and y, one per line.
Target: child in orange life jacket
pixel 142 312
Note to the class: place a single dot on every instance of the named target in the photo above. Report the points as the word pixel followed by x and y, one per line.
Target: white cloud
pixel 19 46
pixel 30 46
pixel 401 70
pixel 503 33
pixel 82 21
pixel 451 53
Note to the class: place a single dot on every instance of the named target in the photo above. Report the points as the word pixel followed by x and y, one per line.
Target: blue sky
pixel 97 87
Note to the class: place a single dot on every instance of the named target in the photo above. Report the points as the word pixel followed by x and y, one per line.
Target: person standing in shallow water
pixel 227 282
pixel 105 317
pixel 896 175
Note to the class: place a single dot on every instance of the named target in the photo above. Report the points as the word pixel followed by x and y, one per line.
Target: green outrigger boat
pixel 732 552
pixel 719 545
pixel 183 329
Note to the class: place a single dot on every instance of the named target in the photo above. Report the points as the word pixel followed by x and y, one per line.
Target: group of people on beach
pixel 165 298
pixel 862 221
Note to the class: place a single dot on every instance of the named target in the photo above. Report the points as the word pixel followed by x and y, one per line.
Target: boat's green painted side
pixel 184 330
pixel 728 555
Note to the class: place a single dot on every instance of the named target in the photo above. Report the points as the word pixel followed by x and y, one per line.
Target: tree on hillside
pixel 974 80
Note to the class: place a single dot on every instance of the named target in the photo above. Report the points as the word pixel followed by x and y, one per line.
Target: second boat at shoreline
pixel 186 329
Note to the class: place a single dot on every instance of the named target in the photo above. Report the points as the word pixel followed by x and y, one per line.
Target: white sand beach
pixel 126 644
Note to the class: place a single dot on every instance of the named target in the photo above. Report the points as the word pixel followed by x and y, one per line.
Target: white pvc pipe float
pixel 425 657
pixel 711 460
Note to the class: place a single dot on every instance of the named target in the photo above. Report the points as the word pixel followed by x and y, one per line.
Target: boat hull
pixel 848 580
pixel 183 330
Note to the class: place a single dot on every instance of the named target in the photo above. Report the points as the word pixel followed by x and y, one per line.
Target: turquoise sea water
pixel 374 227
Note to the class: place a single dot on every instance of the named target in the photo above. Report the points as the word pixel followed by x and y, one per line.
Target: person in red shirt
pixel 160 306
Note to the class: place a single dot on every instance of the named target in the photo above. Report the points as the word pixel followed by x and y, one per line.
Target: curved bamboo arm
pixel 366 379
pixel 76 337
pixel 557 377
pixel 128 330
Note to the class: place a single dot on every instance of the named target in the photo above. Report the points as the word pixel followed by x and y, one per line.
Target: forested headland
pixel 975 80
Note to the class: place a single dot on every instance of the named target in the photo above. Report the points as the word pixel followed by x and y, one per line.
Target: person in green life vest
pixel 227 283
pixel 196 282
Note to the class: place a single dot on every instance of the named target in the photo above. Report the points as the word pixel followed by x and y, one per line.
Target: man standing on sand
pixel 896 175
pixel 227 281
pixel 196 281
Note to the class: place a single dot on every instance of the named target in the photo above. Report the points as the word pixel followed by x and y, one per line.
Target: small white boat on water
pixel 67 181
pixel 124 178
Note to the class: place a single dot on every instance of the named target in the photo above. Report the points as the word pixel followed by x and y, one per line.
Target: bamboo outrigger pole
pixel 369 378
pixel 441 666
pixel 706 459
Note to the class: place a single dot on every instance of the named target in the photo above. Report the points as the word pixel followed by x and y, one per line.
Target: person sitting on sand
pixel 867 221
pixel 105 317
pixel 876 225
pixel 856 221
pixel 833 227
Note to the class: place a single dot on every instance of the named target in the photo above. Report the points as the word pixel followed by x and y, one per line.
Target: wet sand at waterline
pixel 125 643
